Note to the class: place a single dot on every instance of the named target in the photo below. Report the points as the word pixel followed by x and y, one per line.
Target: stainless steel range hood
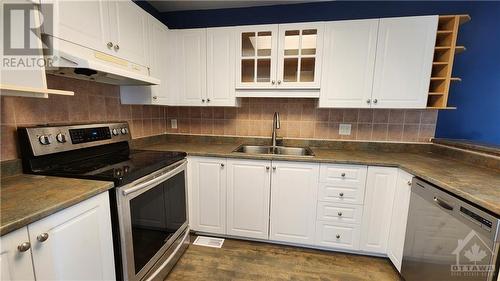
pixel 75 61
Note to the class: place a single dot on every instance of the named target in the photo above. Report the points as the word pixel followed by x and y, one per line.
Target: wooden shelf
pixel 12 90
pixel 444 54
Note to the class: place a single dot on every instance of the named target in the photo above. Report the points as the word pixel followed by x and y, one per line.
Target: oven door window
pixel 156 215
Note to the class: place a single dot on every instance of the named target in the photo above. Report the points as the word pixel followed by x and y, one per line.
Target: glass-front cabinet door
pixel 257 50
pixel 299 55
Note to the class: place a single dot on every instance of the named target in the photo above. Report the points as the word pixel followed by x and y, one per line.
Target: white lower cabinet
pixel 248 191
pixel 73 244
pixel 207 191
pixel 15 256
pixel 399 218
pixel 294 188
pixel 377 210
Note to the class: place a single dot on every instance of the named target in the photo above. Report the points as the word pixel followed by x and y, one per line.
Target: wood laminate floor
pixel 244 260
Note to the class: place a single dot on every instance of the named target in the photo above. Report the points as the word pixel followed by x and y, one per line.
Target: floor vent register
pixel 209 241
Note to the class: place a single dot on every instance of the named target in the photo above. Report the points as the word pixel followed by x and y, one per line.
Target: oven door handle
pixel 156 180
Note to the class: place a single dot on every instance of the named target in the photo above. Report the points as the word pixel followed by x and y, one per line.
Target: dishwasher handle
pixel 443 204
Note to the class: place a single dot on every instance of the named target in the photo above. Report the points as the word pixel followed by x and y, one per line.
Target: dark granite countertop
pixel 478 185
pixel 28 198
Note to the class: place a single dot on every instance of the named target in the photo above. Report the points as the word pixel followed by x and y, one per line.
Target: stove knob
pixel 115 132
pixel 44 140
pixel 61 138
pixel 124 131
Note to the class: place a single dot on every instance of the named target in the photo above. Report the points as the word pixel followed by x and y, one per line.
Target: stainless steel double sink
pixel 275 150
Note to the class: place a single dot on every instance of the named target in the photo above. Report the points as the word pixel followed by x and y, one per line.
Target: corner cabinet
pixel 284 56
pixel 377 209
pixel 73 244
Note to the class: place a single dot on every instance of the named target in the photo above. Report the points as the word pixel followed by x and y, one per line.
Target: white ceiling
pixel 185 5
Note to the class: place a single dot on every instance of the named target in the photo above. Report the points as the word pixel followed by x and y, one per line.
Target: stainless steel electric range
pixel 148 203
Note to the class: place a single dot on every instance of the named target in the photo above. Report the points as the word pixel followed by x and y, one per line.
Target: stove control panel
pixel 46 140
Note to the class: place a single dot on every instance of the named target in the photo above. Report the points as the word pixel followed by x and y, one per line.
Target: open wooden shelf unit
pixel 444 53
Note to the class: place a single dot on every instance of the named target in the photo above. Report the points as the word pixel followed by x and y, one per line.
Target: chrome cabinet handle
pixel 208 100
pixel 117 47
pixel 267 168
pixel 375 101
pixel 368 101
pixel 23 247
pixel 339 214
pixel 110 45
pixel 202 100
pixel 155 97
pixel 341 194
pixel 222 165
pixel 409 183
pixel 443 204
pixel 274 168
pixel 42 237
pixel 279 82
pixel 337 236
pixel 342 175
pixel 273 82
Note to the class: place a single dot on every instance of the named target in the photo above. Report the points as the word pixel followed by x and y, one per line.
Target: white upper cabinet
pixel 157 60
pixel 294 189
pixel 348 63
pixel 299 55
pixel 15 256
pixel 399 218
pixel 76 243
pixel 248 188
pixel 285 56
pixel 377 210
pixel 257 51
pixel 86 23
pixel 129 31
pixel 221 59
pixel 207 194
pixel 117 28
pixel 191 64
pixel 405 50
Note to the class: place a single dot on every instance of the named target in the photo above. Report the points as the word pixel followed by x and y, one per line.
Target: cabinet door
pixel 348 63
pixel 299 55
pixel 207 189
pixel 16 263
pixel 157 61
pixel 399 218
pixel 294 188
pixel 221 60
pixel 79 244
pixel 248 188
pixel 85 23
pixel 191 66
pixel 403 64
pixel 129 31
pixel 377 210
pixel 256 56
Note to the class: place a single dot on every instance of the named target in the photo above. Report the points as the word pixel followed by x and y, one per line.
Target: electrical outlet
pixel 173 123
pixel 345 129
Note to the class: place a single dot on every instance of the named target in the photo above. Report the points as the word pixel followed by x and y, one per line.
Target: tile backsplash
pixel 300 118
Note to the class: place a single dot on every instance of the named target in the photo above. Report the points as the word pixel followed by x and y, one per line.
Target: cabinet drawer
pixel 332 192
pixel 343 213
pixel 343 175
pixel 332 235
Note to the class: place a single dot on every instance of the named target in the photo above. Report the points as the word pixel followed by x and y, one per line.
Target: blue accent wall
pixel 477 96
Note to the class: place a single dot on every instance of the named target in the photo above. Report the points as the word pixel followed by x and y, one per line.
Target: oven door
pixel 152 213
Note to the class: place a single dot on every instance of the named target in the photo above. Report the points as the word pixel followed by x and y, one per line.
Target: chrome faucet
pixel 276 125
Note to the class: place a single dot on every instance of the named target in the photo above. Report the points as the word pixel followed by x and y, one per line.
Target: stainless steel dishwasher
pixel 448 239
